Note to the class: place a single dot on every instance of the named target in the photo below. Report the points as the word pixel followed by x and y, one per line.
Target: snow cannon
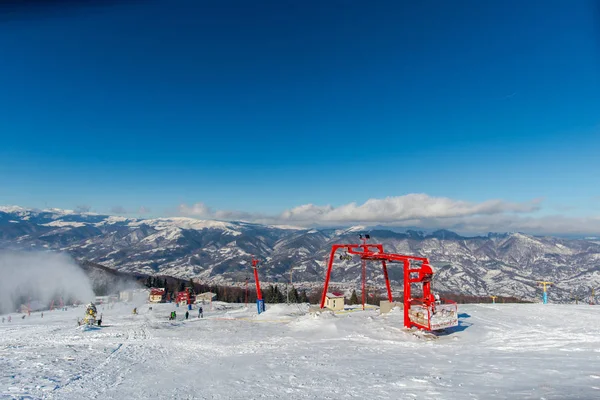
pixel 90 314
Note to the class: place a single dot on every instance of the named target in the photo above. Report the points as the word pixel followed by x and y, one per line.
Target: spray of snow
pixel 41 277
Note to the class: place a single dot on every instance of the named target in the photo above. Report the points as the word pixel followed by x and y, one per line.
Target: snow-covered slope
pixel 500 264
pixel 511 351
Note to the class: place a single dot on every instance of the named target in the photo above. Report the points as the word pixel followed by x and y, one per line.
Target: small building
pixel 334 301
pixel 126 295
pixel 185 297
pixel 205 297
pixel 157 295
pixel 101 299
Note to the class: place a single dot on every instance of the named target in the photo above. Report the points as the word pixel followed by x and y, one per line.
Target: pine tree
pixel 294 298
pixel 354 298
pixel 281 297
pixel 269 296
pixel 303 297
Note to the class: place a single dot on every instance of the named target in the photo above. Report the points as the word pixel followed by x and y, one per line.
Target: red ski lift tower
pixel 52 304
pixel 260 303
pixel 428 312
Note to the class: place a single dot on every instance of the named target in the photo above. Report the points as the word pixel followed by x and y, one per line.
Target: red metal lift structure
pixel 427 312
pixel 60 300
pixel 260 303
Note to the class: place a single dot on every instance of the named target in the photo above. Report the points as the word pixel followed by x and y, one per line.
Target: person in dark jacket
pixel 200 313
pixel 187 314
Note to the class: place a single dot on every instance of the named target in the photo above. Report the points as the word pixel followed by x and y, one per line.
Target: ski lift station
pixel 428 312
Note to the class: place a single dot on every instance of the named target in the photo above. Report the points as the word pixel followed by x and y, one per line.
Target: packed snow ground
pixel 498 352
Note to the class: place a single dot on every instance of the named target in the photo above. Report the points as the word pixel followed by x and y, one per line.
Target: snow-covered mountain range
pixel 499 264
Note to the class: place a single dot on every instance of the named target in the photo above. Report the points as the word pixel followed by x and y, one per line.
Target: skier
pixel 2 319
pixel 200 313
pixel 100 320
pixel 9 318
pixel 42 315
pixel 187 314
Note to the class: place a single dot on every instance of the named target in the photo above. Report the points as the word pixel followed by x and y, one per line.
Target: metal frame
pixel 422 274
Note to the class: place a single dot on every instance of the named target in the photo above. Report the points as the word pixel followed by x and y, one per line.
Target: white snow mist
pixel 41 277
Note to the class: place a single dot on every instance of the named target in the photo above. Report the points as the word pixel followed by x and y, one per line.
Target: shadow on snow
pixel 462 325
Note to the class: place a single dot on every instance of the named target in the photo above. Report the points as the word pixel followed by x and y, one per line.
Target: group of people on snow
pixel 173 315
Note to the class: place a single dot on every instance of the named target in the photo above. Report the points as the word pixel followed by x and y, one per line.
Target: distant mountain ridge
pixel 507 264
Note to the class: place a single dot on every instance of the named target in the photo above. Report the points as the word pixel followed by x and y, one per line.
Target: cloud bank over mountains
pixel 416 210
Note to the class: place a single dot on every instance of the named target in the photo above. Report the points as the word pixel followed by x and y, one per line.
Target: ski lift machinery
pixel 426 312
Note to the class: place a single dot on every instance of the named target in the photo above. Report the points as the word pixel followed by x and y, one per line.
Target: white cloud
pixel 404 208
pixel 416 210
pixel 199 210
pixel 118 210
pixel 551 224
pixel 144 210
pixel 83 208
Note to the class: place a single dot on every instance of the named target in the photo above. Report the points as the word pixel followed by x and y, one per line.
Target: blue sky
pixel 265 106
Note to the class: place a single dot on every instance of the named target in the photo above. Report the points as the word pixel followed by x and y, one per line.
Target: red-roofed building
pixel 185 297
pixel 157 295
pixel 334 301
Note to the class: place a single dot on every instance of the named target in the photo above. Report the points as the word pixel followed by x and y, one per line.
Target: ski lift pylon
pixel 426 312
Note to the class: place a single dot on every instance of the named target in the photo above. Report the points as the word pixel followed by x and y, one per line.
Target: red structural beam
pixel 374 252
pixel 358 249
pixel 364 281
pixel 255 268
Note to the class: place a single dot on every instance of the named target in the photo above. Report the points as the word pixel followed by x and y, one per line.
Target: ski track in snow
pixel 505 351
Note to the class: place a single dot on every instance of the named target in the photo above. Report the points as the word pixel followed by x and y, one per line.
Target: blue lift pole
pixel 545 284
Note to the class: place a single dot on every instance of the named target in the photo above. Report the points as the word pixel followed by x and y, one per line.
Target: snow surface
pixel 503 351
pixel 59 223
pixel 287 227
pixel 12 209
pixel 188 223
